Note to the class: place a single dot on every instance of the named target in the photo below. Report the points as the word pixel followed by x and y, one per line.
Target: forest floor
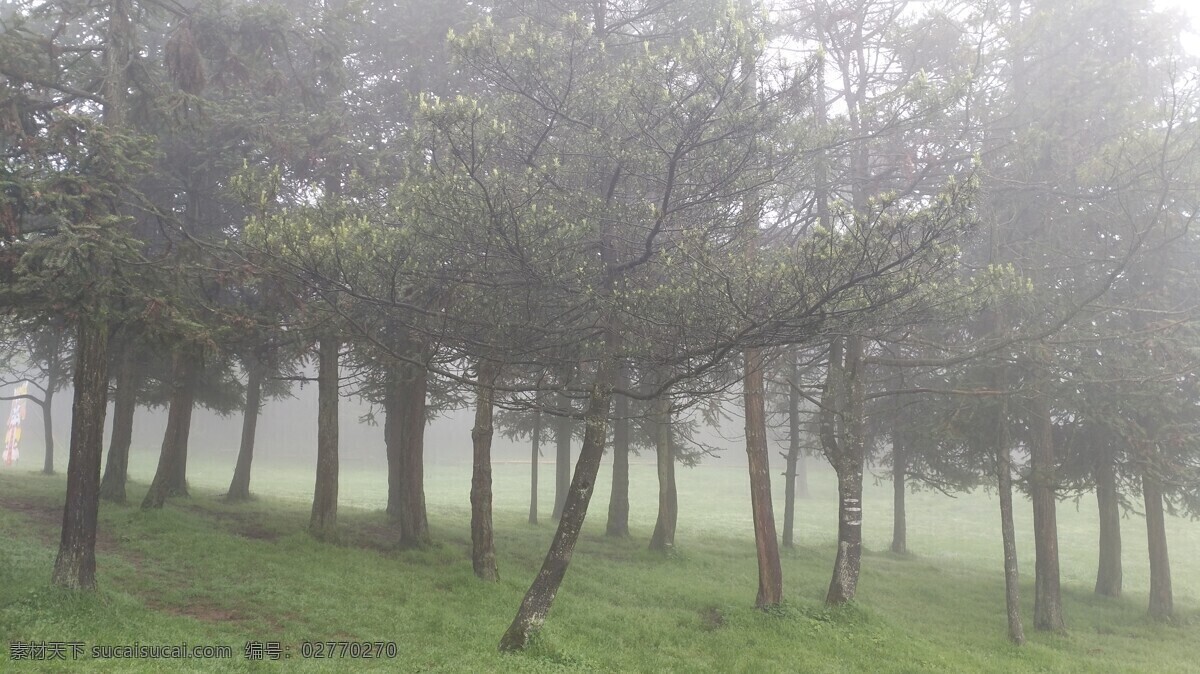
pixel 202 572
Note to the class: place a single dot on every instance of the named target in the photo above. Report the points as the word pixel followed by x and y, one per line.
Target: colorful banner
pixel 12 434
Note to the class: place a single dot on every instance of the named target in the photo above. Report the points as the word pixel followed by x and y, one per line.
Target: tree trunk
pixel 899 475
pixel 1161 603
pixel 663 539
pixel 540 596
pixel 770 573
pixel 533 467
pixel 179 415
pixel 1012 587
pixel 48 428
pixel 562 457
pixel 393 436
pixel 411 513
pixel 483 547
pixel 75 566
pixel 793 455
pixel 849 467
pixel 323 523
pixel 618 502
pixel 1108 572
pixel 239 487
pixel 112 487
pixel 1047 597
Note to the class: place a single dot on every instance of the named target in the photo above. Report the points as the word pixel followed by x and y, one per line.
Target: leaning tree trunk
pixel 1108 571
pixel 483 546
pixel 793 455
pixel 562 456
pixel 899 489
pixel 1047 597
pixel 770 571
pixel 533 466
pixel 179 415
pixel 239 487
pixel 75 566
pixel 323 523
pixel 1161 603
pixel 540 596
pixel 663 539
pixel 112 487
pixel 618 502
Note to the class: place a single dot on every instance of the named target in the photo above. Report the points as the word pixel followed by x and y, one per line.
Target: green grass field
pixel 203 572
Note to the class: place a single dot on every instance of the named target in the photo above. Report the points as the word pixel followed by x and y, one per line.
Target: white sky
pixel 1191 39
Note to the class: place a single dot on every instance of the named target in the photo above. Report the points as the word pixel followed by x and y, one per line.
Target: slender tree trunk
pixel 1161 603
pixel 533 466
pixel 1108 571
pixel 562 457
pixel 618 502
pixel 483 546
pixel 323 523
pixel 239 487
pixel 179 415
pixel 412 516
pixel 75 566
pixel 540 596
pixel 849 466
pixel 663 539
pixel 53 365
pixel 770 572
pixel 1012 586
pixel 48 428
pixel 899 475
pixel 1047 598
pixel 793 455
pixel 112 487
pixel 393 437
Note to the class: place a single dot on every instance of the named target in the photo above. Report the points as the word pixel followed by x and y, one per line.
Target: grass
pixel 203 572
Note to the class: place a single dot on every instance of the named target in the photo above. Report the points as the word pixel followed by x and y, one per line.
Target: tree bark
pixel 179 416
pixel 533 466
pixel 899 487
pixel 540 596
pixel 239 486
pixel 1161 603
pixel 483 546
pixel 411 513
pixel 393 425
pixel 770 572
pixel 1047 597
pixel 562 457
pixel 618 502
pixel 793 455
pixel 48 428
pixel 75 566
pixel 1108 571
pixel 1012 586
pixel 116 469
pixel 663 539
pixel 323 523
pixel 849 467
pixel 53 364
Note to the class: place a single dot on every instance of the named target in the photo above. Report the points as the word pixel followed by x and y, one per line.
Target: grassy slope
pixel 203 572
